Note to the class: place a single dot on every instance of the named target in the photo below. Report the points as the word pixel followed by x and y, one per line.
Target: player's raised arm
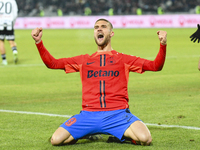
pixel 162 35
pixel 37 35
pixel 159 61
pixel 47 58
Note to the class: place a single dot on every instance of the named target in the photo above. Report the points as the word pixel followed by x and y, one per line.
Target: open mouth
pixel 100 36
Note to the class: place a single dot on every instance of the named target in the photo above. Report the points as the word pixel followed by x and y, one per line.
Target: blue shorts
pixel 100 122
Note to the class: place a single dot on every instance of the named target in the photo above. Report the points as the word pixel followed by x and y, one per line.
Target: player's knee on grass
pixel 61 137
pixel 58 140
pixel 145 139
pixel 139 133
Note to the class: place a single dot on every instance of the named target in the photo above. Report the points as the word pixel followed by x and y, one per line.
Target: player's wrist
pixel 163 43
pixel 37 42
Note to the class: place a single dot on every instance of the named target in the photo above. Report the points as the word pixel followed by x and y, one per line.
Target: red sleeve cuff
pixel 163 45
pixel 39 43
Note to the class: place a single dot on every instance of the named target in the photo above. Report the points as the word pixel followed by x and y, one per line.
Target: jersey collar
pixel 104 52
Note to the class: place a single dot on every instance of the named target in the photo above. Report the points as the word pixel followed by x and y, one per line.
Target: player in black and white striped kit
pixel 8 15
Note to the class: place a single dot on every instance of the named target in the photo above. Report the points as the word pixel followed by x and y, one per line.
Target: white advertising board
pixel 134 21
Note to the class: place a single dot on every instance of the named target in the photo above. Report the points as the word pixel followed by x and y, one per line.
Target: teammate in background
pixel 104 75
pixel 8 15
pixel 196 37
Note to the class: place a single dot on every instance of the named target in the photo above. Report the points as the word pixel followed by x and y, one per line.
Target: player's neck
pixel 104 48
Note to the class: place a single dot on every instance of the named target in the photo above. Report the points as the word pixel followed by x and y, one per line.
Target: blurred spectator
pixel 87 11
pixel 41 11
pixel 160 10
pixel 139 11
pixel 111 12
pixel 101 7
pixel 197 9
pixel 59 12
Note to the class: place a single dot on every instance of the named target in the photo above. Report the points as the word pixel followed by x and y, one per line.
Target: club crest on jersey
pixel 102 73
pixel 111 61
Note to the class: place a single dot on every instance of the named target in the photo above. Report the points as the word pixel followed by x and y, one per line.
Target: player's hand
pixel 37 35
pixel 162 35
pixel 196 35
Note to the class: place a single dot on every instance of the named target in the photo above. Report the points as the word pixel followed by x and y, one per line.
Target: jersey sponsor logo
pixel 89 63
pixel 70 122
pixel 102 73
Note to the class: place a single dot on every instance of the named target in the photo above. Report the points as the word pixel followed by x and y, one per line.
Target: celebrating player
pixel 8 15
pixel 104 76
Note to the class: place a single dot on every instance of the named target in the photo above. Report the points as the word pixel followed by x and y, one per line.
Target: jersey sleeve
pixel 140 65
pixel 133 63
pixel 71 64
pixel 158 62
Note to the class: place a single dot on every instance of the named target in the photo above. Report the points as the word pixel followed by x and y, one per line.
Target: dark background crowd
pixel 104 7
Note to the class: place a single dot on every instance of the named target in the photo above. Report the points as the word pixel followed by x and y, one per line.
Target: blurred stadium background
pixel 33 8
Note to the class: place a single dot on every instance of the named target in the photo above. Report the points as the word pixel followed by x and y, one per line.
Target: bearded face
pixel 102 40
pixel 102 33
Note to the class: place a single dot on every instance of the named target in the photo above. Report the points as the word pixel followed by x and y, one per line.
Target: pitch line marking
pixel 68 116
pixel 34 113
pixel 173 126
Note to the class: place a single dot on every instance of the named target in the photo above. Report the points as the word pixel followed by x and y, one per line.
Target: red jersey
pixel 104 75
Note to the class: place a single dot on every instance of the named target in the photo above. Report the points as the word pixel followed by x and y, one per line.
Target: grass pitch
pixel 168 97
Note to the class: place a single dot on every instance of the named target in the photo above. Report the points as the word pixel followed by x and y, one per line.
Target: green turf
pixel 169 97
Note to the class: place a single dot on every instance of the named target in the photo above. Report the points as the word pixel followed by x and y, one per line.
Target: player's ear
pixel 111 34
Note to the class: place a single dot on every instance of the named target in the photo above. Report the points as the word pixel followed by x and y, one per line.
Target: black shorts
pixel 7 34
